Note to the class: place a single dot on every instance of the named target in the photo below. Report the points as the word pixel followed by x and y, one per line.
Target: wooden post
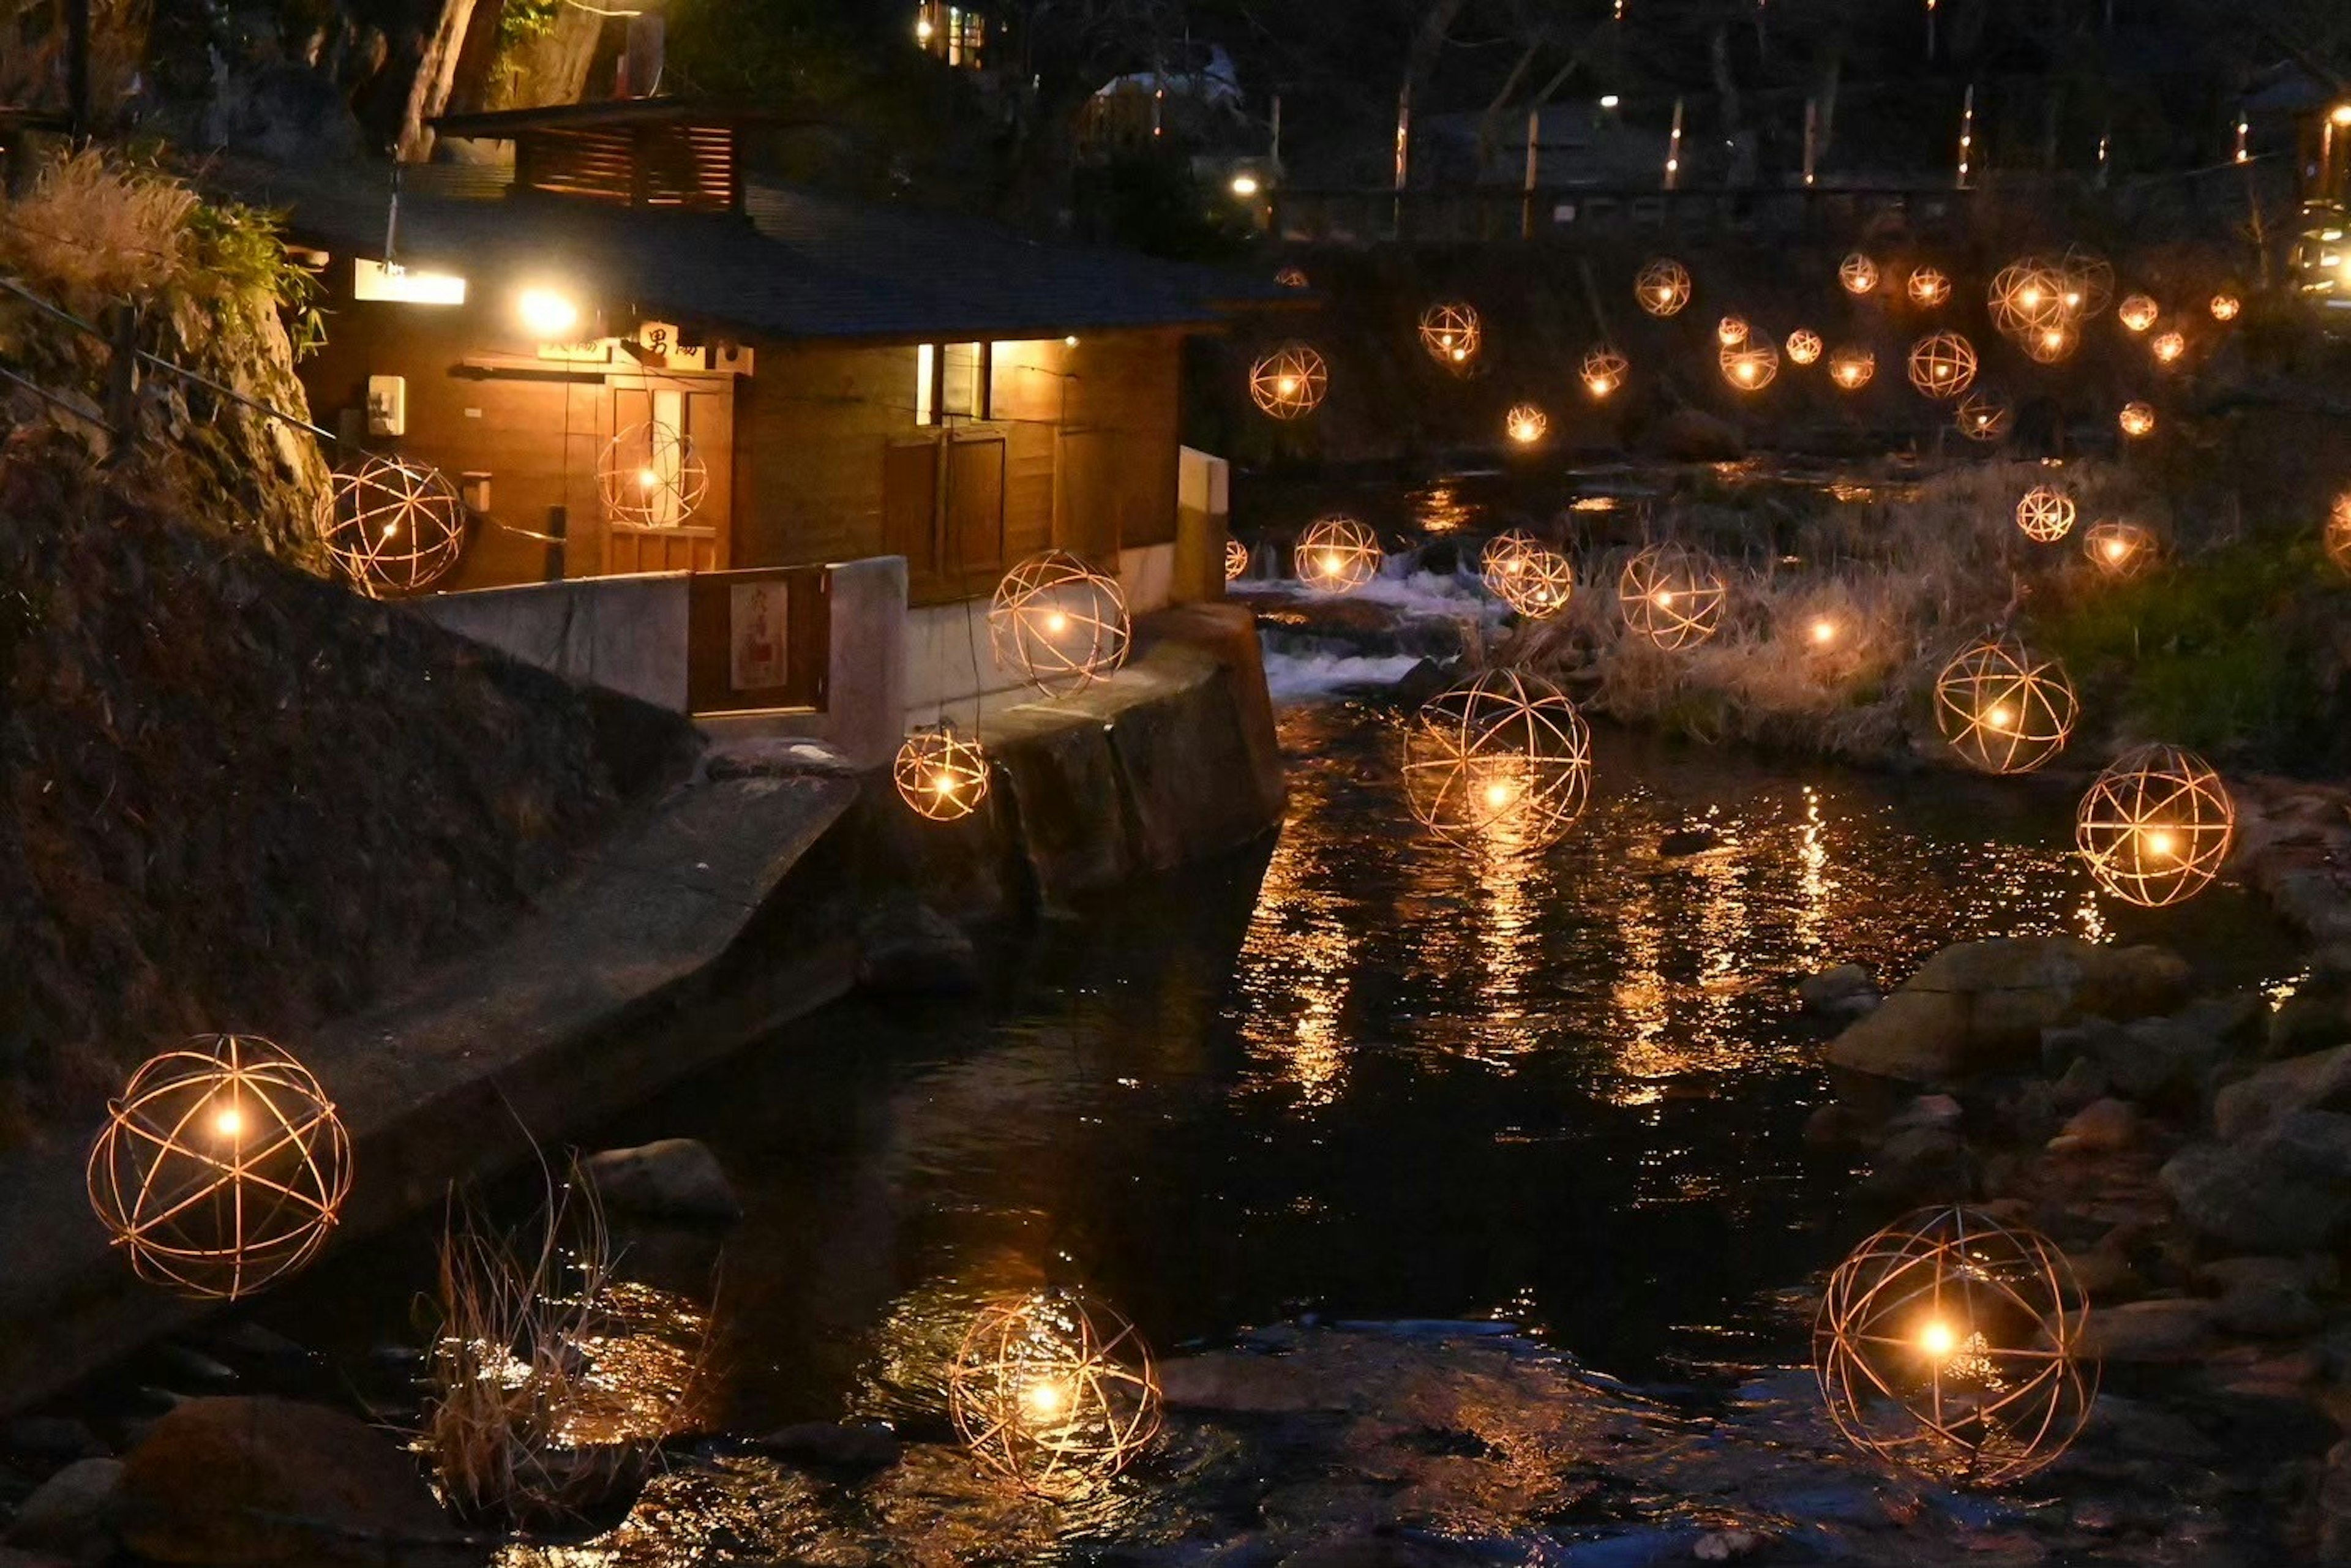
pixel 1534 172
pixel 122 380
pixel 1403 150
pixel 1674 151
pixel 1930 29
pixel 1967 134
pixel 1275 156
pixel 559 530
pixel 78 67
pixel 1811 140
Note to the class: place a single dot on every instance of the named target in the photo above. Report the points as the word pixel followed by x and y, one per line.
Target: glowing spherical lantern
pixel 1663 288
pixel 1527 575
pixel 1731 332
pixel 1237 559
pixel 940 774
pixel 1604 370
pixel 1451 333
pixel 1059 623
pixel 2156 826
pixel 221 1168
pixel 1953 1343
pixel 2120 549
pixel 1928 287
pixel 2053 344
pixel 1858 274
pixel 1672 595
pixel 2137 312
pixel 1942 365
pixel 2027 297
pixel 392 525
pixel 1804 346
pixel 2225 306
pixel 2089 281
pixel 650 475
pixel 1852 367
pixel 1985 416
pixel 2137 419
pixel 1054 1391
pixel 2338 533
pixel 1751 367
pixel 1526 424
pixel 1504 761
pixel 2045 514
pixel 2167 347
pixel 1288 382
pixel 1291 277
pixel 2003 710
pixel 1337 555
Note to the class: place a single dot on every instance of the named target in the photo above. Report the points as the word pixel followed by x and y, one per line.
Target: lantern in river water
pixel 1289 384
pixel 1337 554
pixel 2046 514
pixel 2156 826
pixel 1059 623
pixel 2119 548
pixel 2003 710
pixel 2225 306
pixel 2338 532
pixel 1604 370
pixel 1953 1343
pixel 1857 273
pixel 1526 424
pixel 1928 287
pixel 1663 288
pixel 1237 559
pixel 650 475
pixel 1054 1391
pixel 1672 595
pixel 2137 419
pixel 2027 297
pixel 1751 366
pixel 1504 761
pixel 391 526
pixel 1526 574
pixel 221 1168
pixel 1731 332
pixel 1291 277
pixel 1942 365
pixel 1985 416
pixel 1803 345
pixel 2167 347
pixel 2137 312
pixel 940 774
pixel 1451 333
pixel 1852 367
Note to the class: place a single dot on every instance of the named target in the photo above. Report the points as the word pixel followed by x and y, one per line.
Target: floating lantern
pixel 1851 368
pixel 1337 554
pixel 650 475
pixel 1526 424
pixel 2089 281
pixel 2046 514
pixel 1527 575
pixel 1857 273
pixel 391 526
pixel 2156 826
pixel 1803 345
pixel 1289 384
pixel 2053 344
pixel 2338 533
pixel 1730 331
pixel 1291 277
pixel 1953 1343
pixel 1750 366
pixel 1059 623
pixel 1237 559
pixel 1663 288
pixel 2225 306
pixel 1502 761
pixel 2027 297
pixel 1604 370
pixel 2003 710
pixel 2136 312
pixel 1054 1391
pixel 1824 633
pixel 2119 548
pixel 1928 287
pixel 2137 419
pixel 1942 365
pixel 1672 595
pixel 940 774
pixel 221 1168
pixel 1985 416
pixel 2167 347
pixel 1451 333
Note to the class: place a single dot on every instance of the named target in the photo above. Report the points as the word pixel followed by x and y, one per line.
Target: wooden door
pixel 975 506
pixel 699 540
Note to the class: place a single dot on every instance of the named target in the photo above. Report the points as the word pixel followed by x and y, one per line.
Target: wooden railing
pixel 1493 213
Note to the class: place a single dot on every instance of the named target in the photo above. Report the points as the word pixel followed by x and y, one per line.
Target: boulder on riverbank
pixel 669 1178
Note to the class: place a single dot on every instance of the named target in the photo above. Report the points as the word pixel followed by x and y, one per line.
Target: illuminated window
pixel 951 382
pixel 955 34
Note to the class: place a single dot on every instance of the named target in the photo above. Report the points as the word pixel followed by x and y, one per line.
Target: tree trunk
pixel 1420 60
pixel 478 58
pixel 436 71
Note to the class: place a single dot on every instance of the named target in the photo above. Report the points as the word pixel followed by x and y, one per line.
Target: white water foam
pixel 1295 678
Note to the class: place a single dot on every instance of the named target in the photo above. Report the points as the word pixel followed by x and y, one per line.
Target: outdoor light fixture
pixel 2052 345
pixel 390 283
pixel 1289 384
pixel 2137 419
pixel 1672 595
pixel 1953 1343
pixel 2225 306
pixel 1502 762
pixel 2119 548
pixel 2342 114
pixel 392 525
pixel 2156 826
pixel 1663 288
pixel 2003 710
pixel 1526 574
pixel 1526 424
pixel 2137 312
pixel 1751 366
pixel 1337 555
pixel 1928 287
pixel 1604 370
pixel 547 315
pixel 1984 415
pixel 1730 331
pixel 650 475
pixel 1804 346
pixel 1451 334
pixel 1942 365
pixel 1852 367
pixel 2338 533
pixel 2026 297
pixel 1824 632
pixel 1858 274
pixel 221 1168
pixel 1237 559
pixel 2167 347
pixel 1292 277
pixel 1054 1391
pixel 1058 623
pixel 940 774
pixel 2045 514
pixel 1245 185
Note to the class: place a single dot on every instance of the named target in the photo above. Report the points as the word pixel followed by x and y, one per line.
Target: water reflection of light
pixel 1813 883
pixel 1595 504
pixel 1298 956
pixel 1439 509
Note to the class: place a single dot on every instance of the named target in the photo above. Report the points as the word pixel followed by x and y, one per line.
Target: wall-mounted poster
pixel 755 626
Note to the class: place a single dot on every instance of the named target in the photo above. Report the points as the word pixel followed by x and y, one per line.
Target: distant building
pixel 1575 144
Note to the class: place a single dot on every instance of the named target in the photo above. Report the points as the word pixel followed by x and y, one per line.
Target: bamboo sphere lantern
pixel 1451 333
pixel 1942 365
pixel 2167 347
pixel 1604 370
pixel 221 1168
pixel 2225 306
pixel 1288 382
pixel 1731 332
pixel 1504 761
pixel 2137 419
pixel 1858 274
pixel 2119 548
pixel 1059 623
pixel 1054 1391
pixel 2156 826
pixel 2338 533
pixel 1292 277
pixel 1953 1343
pixel 392 525
pixel 942 774
pixel 2027 297
pixel 1852 367
pixel 1236 559
pixel 1672 595
pixel 1985 416
pixel 1804 346
pixel 1928 287
pixel 1337 555
pixel 1527 575
pixel 2137 312
pixel 1526 424
pixel 2003 710
pixel 2052 345
pixel 650 475
pixel 1663 288
pixel 2045 514
pixel 1751 367
pixel 2089 282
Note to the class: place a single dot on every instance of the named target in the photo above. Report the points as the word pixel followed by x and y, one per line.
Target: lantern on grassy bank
pixel 1953 1343
pixel 1803 345
pixel 1337 554
pixel 2225 306
pixel 2137 312
pixel 1504 761
pixel 2003 710
pixel 1928 287
pixel 2045 514
pixel 650 475
pixel 1942 365
pixel 392 525
pixel 1526 574
pixel 1289 384
pixel 2167 347
pixel 1059 623
pixel 1858 274
pixel 2156 826
pixel 1237 559
pixel 1292 277
pixel 2119 548
pixel 1751 366
pixel 1526 424
pixel 1663 288
pixel 1451 333
pixel 2137 419
pixel 1054 1391
pixel 1604 370
pixel 221 1168
pixel 1672 595
pixel 1985 416
pixel 1852 367
pixel 940 773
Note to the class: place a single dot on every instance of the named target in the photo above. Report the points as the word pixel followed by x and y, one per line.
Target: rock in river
pixel 670 1178
pixel 72 1513
pixel 2283 1189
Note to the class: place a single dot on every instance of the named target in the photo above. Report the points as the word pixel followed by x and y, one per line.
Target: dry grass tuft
pixel 96 229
